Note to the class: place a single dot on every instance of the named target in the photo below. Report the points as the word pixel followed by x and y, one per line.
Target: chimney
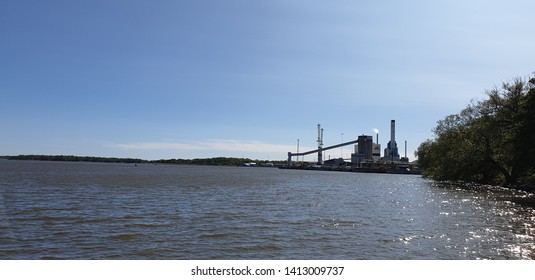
pixel 392 133
pixel 405 148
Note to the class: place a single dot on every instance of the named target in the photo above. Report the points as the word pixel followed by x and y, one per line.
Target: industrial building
pixel 366 152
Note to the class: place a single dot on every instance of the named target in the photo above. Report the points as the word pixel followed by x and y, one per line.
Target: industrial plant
pixel 365 158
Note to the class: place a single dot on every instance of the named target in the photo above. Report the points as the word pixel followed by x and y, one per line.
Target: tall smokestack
pixel 392 133
pixel 377 132
pixel 405 148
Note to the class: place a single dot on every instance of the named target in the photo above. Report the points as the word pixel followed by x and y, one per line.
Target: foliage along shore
pixel 215 161
pixel 491 141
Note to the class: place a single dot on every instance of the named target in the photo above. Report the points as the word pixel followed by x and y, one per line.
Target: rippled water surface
pixel 122 211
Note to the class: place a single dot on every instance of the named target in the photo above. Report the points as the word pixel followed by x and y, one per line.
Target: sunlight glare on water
pixel 54 210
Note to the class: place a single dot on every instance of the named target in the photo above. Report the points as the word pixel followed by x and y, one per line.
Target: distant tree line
pixel 75 158
pixel 490 141
pixel 216 161
pixel 224 161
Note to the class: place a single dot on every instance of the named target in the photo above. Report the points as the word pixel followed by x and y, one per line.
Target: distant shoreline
pixel 74 158
pixel 215 161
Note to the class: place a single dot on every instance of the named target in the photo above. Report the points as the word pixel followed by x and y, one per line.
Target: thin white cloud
pixel 211 145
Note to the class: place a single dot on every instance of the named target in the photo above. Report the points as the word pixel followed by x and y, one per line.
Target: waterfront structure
pixel 365 158
pixel 334 162
pixel 366 151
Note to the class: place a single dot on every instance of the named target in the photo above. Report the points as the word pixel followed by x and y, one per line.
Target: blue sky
pixel 190 79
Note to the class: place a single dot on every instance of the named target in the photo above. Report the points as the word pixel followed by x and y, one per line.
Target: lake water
pixel 58 210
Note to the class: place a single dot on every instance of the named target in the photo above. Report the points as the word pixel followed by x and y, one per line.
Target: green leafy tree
pixel 490 141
